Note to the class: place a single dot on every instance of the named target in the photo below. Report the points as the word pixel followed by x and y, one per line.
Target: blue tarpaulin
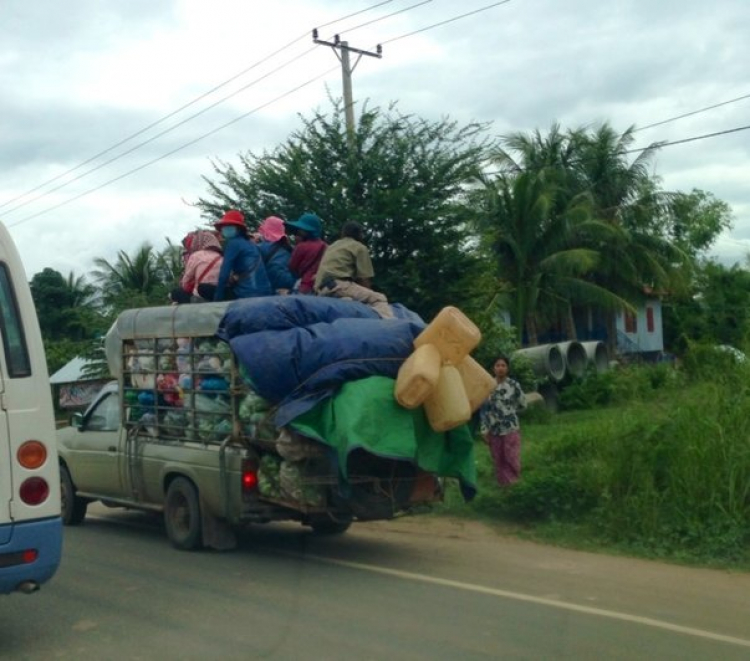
pixel 299 350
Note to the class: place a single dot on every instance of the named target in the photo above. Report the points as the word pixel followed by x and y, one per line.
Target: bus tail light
pixel 25 557
pixel 32 454
pixel 34 491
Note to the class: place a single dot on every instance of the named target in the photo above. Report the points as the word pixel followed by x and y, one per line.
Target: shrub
pixel 630 383
pixel 670 479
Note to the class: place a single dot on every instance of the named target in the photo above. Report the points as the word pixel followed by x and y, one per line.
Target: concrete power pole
pixel 346 73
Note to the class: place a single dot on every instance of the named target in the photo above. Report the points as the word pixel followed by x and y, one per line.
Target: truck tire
pixel 73 507
pixel 325 525
pixel 182 515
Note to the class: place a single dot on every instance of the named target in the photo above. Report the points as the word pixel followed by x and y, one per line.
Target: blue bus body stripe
pixel 45 535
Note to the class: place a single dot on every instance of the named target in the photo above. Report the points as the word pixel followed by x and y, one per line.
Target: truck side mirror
pixel 76 420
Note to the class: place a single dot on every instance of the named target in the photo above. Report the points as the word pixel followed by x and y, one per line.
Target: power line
pixel 235 120
pixel 377 20
pixel 671 143
pixel 691 113
pixel 174 151
pixel 178 110
pixel 637 150
pixel 445 22
pixel 200 112
pixel 158 135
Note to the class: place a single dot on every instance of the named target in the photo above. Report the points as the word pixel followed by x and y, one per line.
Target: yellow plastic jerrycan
pixel 447 406
pixel 453 333
pixel 478 382
pixel 418 376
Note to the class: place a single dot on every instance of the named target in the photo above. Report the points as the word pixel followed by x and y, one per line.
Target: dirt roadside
pixel 477 554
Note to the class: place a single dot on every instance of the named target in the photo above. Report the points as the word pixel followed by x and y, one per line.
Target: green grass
pixel 664 474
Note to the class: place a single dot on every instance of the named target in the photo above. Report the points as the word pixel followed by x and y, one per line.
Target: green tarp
pixel 364 414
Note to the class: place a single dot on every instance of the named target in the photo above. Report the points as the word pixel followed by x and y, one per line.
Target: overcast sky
pixel 77 78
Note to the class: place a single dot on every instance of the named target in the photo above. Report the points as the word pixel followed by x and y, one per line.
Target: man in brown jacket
pixel 346 271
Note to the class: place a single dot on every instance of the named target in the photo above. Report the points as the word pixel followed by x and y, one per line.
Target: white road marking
pixel 507 594
pixel 519 596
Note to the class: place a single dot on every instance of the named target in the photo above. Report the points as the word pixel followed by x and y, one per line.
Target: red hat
pixel 232 217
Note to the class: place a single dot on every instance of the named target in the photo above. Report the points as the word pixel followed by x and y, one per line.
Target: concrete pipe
pixel 546 360
pixel 550 394
pixel 597 355
pixel 576 360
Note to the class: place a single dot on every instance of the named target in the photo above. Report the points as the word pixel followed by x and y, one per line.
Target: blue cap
pixel 308 222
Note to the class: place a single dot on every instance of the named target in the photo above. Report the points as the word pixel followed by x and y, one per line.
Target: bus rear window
pixel 14 340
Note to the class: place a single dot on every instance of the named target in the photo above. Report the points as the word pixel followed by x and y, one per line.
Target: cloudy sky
pixel 78 79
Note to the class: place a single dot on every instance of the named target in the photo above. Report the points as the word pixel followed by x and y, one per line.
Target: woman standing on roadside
pixel 499 426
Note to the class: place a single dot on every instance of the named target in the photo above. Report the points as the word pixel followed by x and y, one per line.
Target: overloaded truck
pixel 259 410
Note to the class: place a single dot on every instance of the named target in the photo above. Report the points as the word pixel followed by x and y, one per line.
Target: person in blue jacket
pixel 276 250
pixel 243 273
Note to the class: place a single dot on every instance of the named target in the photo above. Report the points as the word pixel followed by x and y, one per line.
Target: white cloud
pixel 76 78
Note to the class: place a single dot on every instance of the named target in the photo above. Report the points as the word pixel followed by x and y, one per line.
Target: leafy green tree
pixel 715 310
pixel 65 306
pixel 68 314
pixel 695 221
pixel 406 182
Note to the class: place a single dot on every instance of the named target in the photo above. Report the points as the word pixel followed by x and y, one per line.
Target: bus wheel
pixel 182 515
pixel 73 507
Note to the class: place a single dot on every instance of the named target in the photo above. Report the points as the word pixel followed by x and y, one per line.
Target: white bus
pixel 30 524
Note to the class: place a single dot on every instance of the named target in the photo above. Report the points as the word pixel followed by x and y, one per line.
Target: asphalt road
pixel 421 588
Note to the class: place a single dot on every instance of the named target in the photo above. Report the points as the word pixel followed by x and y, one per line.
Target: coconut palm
pixel 131 281
pixel 544 254
pixel 626 195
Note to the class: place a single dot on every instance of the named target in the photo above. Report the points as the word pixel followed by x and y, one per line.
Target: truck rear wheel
pixel 182 515
pixel 325 525
pixel 73 507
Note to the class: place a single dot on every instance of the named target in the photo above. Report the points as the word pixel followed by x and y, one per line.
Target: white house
pixel 75 389
pixel 641 332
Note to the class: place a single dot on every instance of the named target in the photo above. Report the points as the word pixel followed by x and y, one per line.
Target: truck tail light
pixel 34 491
pixel 32 454
pixel 249 476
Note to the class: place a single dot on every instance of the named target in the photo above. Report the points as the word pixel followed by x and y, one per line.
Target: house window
pixel 650 320
pixel 631 323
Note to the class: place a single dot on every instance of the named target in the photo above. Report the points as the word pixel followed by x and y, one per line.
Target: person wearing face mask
pixel 243 274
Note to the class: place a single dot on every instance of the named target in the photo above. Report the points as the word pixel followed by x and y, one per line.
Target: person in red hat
pixel 243 274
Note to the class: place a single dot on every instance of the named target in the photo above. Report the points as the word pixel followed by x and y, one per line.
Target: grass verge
pixel 665 475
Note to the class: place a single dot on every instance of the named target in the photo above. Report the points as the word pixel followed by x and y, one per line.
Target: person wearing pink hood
pixel 202 265
pixel 276 250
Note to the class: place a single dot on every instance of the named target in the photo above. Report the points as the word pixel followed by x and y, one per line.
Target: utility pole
pixel 346 73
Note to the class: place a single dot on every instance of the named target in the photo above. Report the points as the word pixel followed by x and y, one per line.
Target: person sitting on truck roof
pixel 308 250
pixel 276 249
pixel 202 265
pixel 346 271
pixel 243 274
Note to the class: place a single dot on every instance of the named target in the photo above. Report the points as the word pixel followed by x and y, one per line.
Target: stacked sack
pixel 441 375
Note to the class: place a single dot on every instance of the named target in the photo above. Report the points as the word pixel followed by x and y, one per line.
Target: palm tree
pixel 543 254
pixel 136 281
pixel 169 262
pixel 631 250
pixel 626 196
